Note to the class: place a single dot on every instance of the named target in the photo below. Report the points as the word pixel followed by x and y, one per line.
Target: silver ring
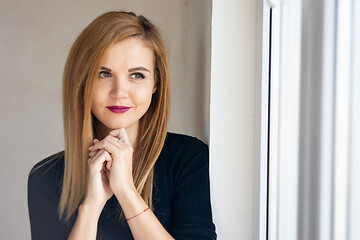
pixel 121 139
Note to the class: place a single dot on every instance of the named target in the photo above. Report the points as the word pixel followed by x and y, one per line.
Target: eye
pixel 137 76
pixel 104 74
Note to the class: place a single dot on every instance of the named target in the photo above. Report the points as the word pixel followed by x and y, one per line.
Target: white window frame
pixel 314 134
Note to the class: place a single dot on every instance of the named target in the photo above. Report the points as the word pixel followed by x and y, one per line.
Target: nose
pixel 120 89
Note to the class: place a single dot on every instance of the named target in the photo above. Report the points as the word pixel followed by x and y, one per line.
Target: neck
pixel 101 131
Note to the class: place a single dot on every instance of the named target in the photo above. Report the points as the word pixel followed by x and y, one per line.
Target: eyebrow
pixel 138 69
pixel 130 70
pixel 106 69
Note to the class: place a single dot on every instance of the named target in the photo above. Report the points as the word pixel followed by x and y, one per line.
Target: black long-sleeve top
pixel 181 195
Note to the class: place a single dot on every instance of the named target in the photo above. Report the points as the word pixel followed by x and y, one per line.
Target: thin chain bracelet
pixel 128 219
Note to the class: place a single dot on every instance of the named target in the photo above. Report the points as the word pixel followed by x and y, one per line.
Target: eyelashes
pixel 136 75
pixel 104 74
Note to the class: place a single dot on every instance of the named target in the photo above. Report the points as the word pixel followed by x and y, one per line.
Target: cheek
pixel 96 99
pixel 98 93
pixel 144 95
pixel 93 101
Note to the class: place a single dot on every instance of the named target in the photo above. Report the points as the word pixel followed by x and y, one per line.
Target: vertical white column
pixel 261 121
pixel 342 110
pixel 289 118
pixel 317 119
pixel 354 131
pixel 232 110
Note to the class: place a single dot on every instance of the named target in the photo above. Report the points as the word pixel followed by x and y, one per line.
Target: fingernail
pixel 91 147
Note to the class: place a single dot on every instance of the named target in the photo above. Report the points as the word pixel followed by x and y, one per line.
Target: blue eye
pixel 137 76
pixel 104 74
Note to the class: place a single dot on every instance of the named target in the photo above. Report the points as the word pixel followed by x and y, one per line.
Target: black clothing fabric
pixel 181 195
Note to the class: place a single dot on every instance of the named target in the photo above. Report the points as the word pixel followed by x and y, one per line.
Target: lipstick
pixel 118 109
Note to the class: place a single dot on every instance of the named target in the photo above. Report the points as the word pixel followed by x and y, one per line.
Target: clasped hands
pixel 110 168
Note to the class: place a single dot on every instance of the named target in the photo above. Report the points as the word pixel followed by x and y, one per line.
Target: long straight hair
pixel 80 70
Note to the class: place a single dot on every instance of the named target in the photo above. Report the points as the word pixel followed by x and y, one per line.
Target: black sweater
pixel 181 195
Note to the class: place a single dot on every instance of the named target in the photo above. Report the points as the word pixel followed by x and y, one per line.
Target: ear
pixel 154 90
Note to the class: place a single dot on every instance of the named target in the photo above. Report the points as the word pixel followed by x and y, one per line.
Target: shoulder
pixel 50 163
pixel 176 141
pixel 47 174
pixel 183 154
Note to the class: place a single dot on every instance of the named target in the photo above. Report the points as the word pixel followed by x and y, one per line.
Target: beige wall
pixel 34 41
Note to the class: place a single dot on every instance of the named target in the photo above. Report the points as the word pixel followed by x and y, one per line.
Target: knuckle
pixel 129 149
pixel 103 152
pixel 107 138
pixel 107 154
pixel 90 162
pixel 114 131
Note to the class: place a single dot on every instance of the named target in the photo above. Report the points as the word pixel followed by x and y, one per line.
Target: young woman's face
pixel 121 93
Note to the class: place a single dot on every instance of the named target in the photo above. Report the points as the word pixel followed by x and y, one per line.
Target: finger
pixel 92 159
pixel 100 157
pixel 115 133
pixel 124 135
pixel 107 174
pixel 104 176
pixel 98 145
pixel 95 141
pixel 109 143
pixel 117 140
pixel 108 165
pixel 118 133
pixel 91 153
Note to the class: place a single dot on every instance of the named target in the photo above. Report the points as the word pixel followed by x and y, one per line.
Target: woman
pixel 122 175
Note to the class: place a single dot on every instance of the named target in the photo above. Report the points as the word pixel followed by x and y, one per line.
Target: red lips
pixel 118 109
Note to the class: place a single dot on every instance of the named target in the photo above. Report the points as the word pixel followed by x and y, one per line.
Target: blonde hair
pixel 80 69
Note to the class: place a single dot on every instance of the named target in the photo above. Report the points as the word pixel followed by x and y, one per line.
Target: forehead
pixel 129 52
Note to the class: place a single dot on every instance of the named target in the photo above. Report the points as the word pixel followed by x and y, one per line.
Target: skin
pixel 126 78
pixel 110 161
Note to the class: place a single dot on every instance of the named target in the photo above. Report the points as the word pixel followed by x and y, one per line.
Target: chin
pixel 113 127
pixel 118 125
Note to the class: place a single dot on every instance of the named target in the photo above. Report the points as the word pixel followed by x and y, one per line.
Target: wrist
pixel 126 193
pixel 91 210
pixel 122 187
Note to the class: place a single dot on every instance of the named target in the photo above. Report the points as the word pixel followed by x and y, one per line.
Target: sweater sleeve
pixel 43 204
pixel 191 216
